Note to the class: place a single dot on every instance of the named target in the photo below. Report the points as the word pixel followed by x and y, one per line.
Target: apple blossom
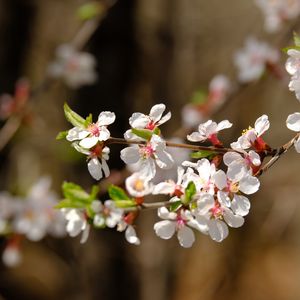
pixel 293 68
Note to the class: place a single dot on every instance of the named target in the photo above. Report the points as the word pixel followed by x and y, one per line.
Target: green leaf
pixel 90 10
pixel 157 131
pixel 125 203
pixel 62 135
pixel 94 192
pixel 199 97
pixel 73 117
pixel 286 49
pixel 190 191
pixel 88 120
pixel 203 154
pixel 117 193
pixel 145 134
pixel 175 205
pixel 76 193
pixel 68 203
pixel 296 39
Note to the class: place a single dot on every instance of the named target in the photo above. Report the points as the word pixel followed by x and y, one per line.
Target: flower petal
pixel 130 155
pixel 186 237
pixel 165 229
pixel 95 169
pixel 218 230
pixel 293 122
pixel 106 118
pixel 89 142
pixel 131 237
pixel 156 112
pixel 76 133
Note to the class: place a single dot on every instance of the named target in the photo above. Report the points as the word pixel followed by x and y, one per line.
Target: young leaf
pixel 190 191
pixel 75 193
pixel 68 203
pixel 125 203
pixel 117 193
pixel 296 39
pixel 62 135
pixel 73 117
pixel 199 97
pixel 88 120
pixel 203 154
pixel 175 205
pixel 143 133
pixel 90 10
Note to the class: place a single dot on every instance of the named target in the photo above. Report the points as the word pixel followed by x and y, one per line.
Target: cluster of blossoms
pixel 278 11
pixel 204 197
pixel 74 67
pixel 32 216
pixel 252 60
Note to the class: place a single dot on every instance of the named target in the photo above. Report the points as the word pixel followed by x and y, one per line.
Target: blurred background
pixel 158 51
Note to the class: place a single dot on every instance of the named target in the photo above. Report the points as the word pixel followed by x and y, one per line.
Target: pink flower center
pixel 94 129
pixel 180 222
pixel 214 140
pixel 147 151
pixel 216 211
pixel 150 125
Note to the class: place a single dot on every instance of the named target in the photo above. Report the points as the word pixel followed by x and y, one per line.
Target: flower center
pixel 94 129
pixel 147 151
pixel 139 185
pixel 180 222
pixel 150 125
pixel 216 211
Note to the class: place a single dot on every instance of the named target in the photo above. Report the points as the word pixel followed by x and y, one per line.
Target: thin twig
pixel 279 152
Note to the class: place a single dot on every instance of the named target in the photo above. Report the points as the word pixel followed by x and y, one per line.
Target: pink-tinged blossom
pixel 252 137
pixel 150 122
pixel 278 11
pixel 242 162
pixel 293 123
pixel 171 187
pixel 209 131
pixel 94 133
pixel 97 160
pixel 204 179
pixel 251 61
pixel 192 115
pixel 219 88
pixel 149 155
pixel 74 67
pixel 214 217
pixel 179 222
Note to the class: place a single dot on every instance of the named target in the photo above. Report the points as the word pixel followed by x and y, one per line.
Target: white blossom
pixel 150 122
pixel 94 133
pixel 107 214
pixel 76 223
pixel 252 136
pixel 74 67
pixel 130 233
pixel 293 123
pixel 293 68
pixel 97 160
pixel 251 61
pixel 11 256
pixel 278 11
pixel 149 155
pixel 138 185
pixel 209 131
pixel 179 222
